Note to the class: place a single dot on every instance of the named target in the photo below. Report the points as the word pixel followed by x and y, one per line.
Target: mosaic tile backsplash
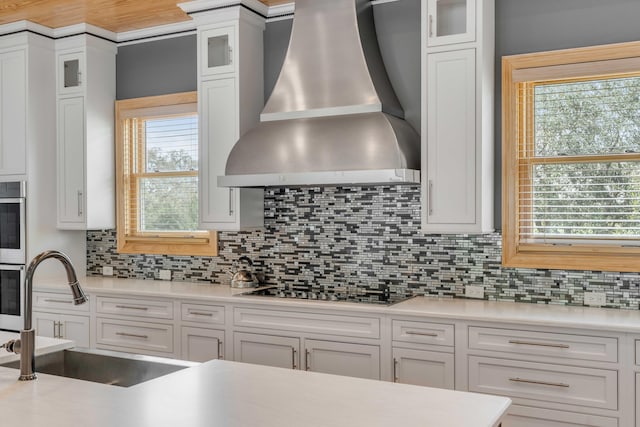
pixel 349 240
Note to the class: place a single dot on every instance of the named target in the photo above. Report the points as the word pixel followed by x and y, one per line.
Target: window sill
pixel 170 245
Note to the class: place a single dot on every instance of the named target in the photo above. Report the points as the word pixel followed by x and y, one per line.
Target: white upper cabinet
pixel 217 50
pixel 230 99
pixel 85 76
pixel 71 154
pixel 13 117
pixel 451 165
pixel 451 21
pixel 457 116
pixel 71 71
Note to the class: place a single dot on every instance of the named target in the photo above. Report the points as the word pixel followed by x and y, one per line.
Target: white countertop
pixel 230 394
pixel 613 320
pixel 43 345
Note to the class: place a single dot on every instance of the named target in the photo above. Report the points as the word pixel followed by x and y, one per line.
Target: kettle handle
pixel 247 259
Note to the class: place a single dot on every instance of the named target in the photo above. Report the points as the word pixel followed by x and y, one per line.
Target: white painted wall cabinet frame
pixel 457 116
pixel 85 76
pixel 230 99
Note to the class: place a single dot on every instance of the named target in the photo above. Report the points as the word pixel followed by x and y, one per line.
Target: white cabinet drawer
pixel 544 344
pixel 135 307
pixel 522 416
pixel 422 333
pixel 54 301
pixel 637 352
pixel 365 327
pixel 596 388
pixel 135 335
pixel 210 314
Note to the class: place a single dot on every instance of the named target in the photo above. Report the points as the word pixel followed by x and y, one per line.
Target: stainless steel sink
pixel 105 367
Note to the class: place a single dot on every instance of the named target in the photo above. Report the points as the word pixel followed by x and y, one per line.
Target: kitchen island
pixel 231 394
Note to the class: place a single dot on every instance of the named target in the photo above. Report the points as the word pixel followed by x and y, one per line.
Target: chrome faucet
pixel 25 346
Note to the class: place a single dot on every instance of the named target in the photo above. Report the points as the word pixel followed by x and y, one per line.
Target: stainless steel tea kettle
pixel 244 277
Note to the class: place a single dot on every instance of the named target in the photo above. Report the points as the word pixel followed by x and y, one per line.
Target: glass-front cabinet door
pixel 451 21
pixel 217 47
pixel 71 73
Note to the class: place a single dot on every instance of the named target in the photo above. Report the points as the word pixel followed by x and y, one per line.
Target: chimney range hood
pixel 333 117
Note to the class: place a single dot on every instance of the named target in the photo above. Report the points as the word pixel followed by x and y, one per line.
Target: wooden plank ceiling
pixel 112 15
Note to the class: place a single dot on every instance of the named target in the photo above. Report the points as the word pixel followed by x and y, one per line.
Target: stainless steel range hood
pixel 333 117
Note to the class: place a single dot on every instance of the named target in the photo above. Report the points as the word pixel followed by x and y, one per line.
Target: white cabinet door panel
pixel 71 156
pixel 269 350
pixel 450 22
pixel 426 368
pixel 13 112
pixel 218 134
pixel 451 140
pixel 201 345
pixel 69 327
pixel 339 358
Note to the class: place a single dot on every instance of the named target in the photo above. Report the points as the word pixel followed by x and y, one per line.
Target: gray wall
pixel 276 42
pixel 156 68
pixel 524 26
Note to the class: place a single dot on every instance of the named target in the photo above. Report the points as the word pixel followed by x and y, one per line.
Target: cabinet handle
pixel 522 380
pixel 430 26
pixel 231 210
pixel 124 334
pixel 79 203
pixel 230 55
pixel 60 334
pixel 539 344
pixel 430 198
pixel 132 307
pixel 220 354
pixel 293 358
pixel 422 334
pixel 58 301
pixel 55 331
pixel 395 370
pixel 307 360
pixel 79 78
pixel 200 313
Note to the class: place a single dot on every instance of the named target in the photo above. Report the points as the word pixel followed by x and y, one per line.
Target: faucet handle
pixel 12 346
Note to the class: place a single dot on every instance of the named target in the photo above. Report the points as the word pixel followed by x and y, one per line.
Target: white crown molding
pixel 196 6
pixel 280 12
pixel 14 27
pixel 210 7
pixel 72 30
pixel 156 33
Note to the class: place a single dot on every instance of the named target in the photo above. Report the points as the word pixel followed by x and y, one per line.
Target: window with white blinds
pixel 571 159
pixel 158 176
pixel 580 161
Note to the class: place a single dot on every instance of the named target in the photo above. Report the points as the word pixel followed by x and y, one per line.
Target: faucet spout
pixel 26 345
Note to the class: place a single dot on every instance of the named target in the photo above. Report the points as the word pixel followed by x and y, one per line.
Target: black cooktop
pixel 348 294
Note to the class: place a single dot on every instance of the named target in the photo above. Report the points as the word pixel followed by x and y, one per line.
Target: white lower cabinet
pixel 522 416
pixel 340 358
pixel 594 388
pixel 269 350
pixel 427 368
pixel 66 326
pixel 201 345
pixel 135 337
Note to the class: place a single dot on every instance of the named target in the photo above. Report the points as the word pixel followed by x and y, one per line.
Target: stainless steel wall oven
pixel 12 253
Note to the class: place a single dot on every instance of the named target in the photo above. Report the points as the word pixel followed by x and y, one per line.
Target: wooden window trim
pixel 589 62
pixel 166 243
